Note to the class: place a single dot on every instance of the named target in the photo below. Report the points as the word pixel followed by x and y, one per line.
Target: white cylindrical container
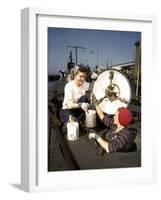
pixel 72 131
pixel 91 118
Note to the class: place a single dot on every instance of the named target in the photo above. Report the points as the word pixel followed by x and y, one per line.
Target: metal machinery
pixel 112 90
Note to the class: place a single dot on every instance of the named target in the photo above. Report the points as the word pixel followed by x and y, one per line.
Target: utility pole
pixel 111 63
pixel 107 63
pixel 97 57
pixel 137 65
pixel 76 52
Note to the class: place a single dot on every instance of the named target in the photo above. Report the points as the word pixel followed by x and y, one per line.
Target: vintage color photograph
pixel 94 99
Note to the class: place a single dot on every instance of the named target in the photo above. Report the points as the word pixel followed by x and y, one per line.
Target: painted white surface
pixel 10 98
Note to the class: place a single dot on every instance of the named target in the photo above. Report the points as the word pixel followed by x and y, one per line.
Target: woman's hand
pixel 104 144
pixel 94 100
pixel 93 136
pixel 84 106
pixel 97 107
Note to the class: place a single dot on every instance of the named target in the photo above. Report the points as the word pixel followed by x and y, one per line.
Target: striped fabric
pixel 108 121
pixel 117 141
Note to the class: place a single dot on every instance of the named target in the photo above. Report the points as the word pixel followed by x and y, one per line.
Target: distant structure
pixel 123 65
pixel 71 64
pixel 62 74
pixel 133 70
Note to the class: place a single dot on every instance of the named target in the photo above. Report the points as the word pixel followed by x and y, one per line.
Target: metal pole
pixel 76 56
pixel 97 56
pixel 137 65
pixel 76 52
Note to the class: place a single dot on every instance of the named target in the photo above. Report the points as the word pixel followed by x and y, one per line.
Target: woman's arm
pixel 108 121
pixel 84 106
pixel 74 106
pixel 99 112
pixel 104 144
pixel 68 97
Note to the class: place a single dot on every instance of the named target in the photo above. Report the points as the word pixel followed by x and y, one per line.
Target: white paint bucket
pixel 91 118
pixel 72 131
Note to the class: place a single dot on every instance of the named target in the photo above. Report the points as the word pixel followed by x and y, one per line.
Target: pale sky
pixel 100 46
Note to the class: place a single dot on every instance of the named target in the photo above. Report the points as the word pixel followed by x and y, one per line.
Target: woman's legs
pixel 78 113
pixel 64 115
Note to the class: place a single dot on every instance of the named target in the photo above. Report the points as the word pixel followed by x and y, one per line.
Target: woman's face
pixel 80 78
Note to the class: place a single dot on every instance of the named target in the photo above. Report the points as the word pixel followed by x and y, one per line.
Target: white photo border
pixel 34 173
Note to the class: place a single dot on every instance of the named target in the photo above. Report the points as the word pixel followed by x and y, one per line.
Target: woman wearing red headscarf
pixel 119 138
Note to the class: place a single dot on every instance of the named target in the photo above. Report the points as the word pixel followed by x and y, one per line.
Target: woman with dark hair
pixel 119 138
pixel 75 101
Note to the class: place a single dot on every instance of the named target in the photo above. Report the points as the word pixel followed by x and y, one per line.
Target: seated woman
pixel 119 138
pixel 75 101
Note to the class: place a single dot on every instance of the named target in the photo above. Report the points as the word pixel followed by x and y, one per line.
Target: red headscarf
pixel 124 116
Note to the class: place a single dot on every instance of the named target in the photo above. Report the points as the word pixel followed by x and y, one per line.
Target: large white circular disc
pixel 101 84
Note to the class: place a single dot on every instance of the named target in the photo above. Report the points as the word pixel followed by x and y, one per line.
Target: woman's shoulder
pixel 125 130
pixel 133 131
pixel 69 84
pixel 86 85
pixel 129 132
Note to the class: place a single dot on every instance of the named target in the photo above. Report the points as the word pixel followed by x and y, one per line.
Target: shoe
pixel 100 151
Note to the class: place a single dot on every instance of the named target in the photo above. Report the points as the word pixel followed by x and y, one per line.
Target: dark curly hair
pixel 81 69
